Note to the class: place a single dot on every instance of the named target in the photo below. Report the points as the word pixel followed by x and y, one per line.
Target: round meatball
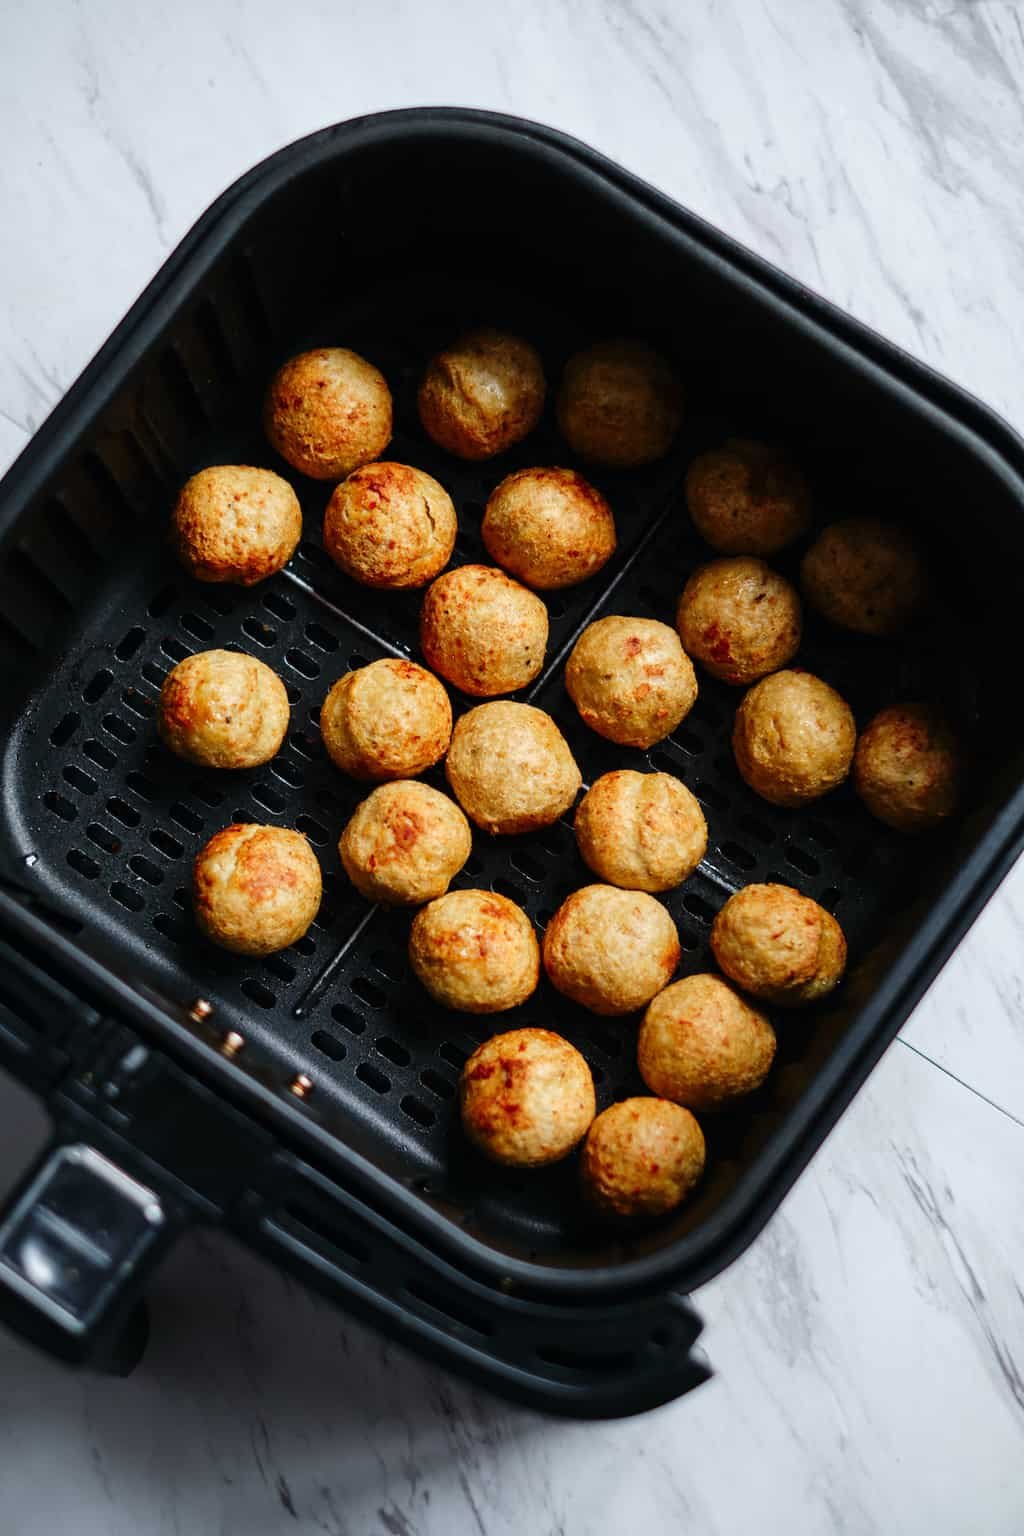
pixel 739 619
pixel 793 738
pixel 223 710
pixel 642 1157
pixel 643 831
pixel 747 499
pixel 510 767
pixel 327 412
pixel 907 768
pixel 389 525
pixel 702 1045
pixel 475 951
pixel 256 889
pixel 482 394
pixel 631 680
pixel 482 631
pixel 405 844
pixel 620 404
pixel 235 523
pixel 610 950
pixel 389 720
pixel 779 945
pixel 866 575
pixel 526 1098
pixel 549 527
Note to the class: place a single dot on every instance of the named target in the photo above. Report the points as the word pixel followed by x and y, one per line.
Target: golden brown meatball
pixel 389 720
pixel 779 945
pixel 739 619
pixel 328 411
pixel 223 710
pixel 631 680
pixel 256 889
pixel 510 767
pixel 793 738
pixel 475 951
pixel 405 844
pixel 907 768
pixel 643 831
pixel 642 1157
pixel 610 950
pixel 526 1097
pixel 482 394
pixel 703 1045
pixel 482 631
pixel 620 404
pixel 235 523
pixel 747 499
pixel 389 525
pixel 549 527
pixel 866 575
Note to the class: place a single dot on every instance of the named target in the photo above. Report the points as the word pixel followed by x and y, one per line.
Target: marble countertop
pixel 869 1347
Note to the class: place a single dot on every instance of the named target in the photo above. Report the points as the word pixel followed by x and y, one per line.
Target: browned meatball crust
pixel 703 1045
pixel 475 951
pixel 747 499
pixel 256 889
pixel 482 394
pixel 779 945
pixel 631 680
pixel 483 631
pixel 642 1157
pixel 389 720
pixel 405 844
pixel 643 831
pixel 907 767
pixel 549 527
pixel 235 523
pixel 793 738
pixel 526 1098
pixel 510 767
pixel 739 619
pixel 389 525
pixel 620 404
pixel 610 950
pixel 865 574
pixel 328 411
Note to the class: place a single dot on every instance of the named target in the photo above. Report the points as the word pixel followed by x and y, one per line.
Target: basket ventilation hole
pixel 806 863
pixel 141 786
pixel 81 862
pixel 698 908
pixel 757 829
pixel 371 995
pixel 79 779
pixel 119 729
pixel 148 871
pixel 737 855
pixel 126 897
pixel 268 798
pixel 97 686
pixel 438 1085
pixel 185 817
pixel 164 843
pixel 328 1045
pixel 348 1019
pixel 417 1110
pixel 508 888
pixel 60 805
pixel 159 604
pixel 121 811
pixel 373 1077
pixel 393 1051
pixel 322 638
pixel 126 648
pixel 314 830
pixel 453 1054
pixel 261 633
pixel 278 966
pixel 279 606
pixel 197 627
pixel 526 865
pixel 289 773
pixel 62 733
pixel 258 993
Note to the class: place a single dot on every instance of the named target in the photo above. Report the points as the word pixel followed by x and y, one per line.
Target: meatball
pixel 256 889
pixel 642 1157
pixel 389 720
pixel 793 738
pixel 644 831
pixel 405 844
pixel 475 951
pixel 739 619
pixel 779 945
pixel 610 950
pixel 510 767
pixel 235 523
pixel 631 680
pixel 866 575
pixel 526 1098
pixel 389 525
pixel 327 412
pixel 747 499
pixel 549 527
pixel 702 1045
pixel 482 394
pixel 223 710
pixel 620 404
pixel 907 768
pixel 482 631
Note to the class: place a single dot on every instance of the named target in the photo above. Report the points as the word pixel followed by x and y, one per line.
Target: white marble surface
pixel 869 1347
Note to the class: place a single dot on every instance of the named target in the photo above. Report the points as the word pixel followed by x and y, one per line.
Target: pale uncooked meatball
pixel 620 404
pixel 475 951
pixel 739 619
pixel 389 525
pixel 793 738
pixel 779 945
pixel 510 767
pixel 328 411
pixel 747 499
pixel 610 950
pixel 631 680
pixel 549 527
pixel 907 768
pixel 482 394
pixel 256 889
pixel 223 710
pixel 642 1157
pixel 526 1098
pixel 235 523
pixel 483 631
pixel 389 720
pixel 405 844
pixel 865 574
pixel 702 1045
pixel 643 831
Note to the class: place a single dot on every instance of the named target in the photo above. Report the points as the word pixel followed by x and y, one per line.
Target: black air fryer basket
pixel 305 1102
